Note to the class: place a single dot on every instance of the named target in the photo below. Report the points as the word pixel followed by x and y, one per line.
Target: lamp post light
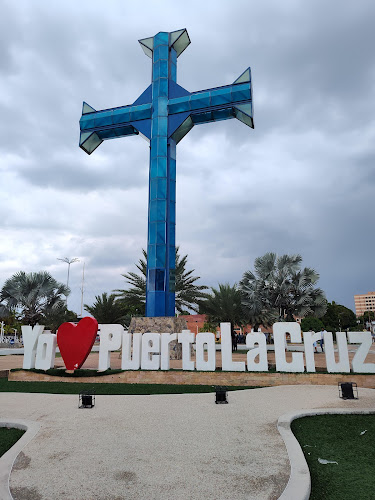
pixel 68 261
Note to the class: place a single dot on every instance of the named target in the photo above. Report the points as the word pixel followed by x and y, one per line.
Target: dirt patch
pixel 22 461
pixel 23 493
pixel 127 476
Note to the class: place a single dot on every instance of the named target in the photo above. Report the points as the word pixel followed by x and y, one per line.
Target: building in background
pixel 364 302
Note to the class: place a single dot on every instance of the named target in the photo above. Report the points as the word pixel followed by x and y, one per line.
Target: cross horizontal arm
pixel 220 103
pixel 97 126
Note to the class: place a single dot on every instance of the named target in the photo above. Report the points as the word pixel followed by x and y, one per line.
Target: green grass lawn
pixel 8 437
pixel 105 388
pixel 348 440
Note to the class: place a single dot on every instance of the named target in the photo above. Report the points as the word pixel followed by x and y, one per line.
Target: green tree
pixel 188 294
pixel 311 323
pixel 32 295
pixel 279 289
pixel 338 317
pixel 224 305
pixel 106 309
pixel 54 318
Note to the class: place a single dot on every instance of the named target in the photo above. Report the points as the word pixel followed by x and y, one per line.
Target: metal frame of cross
pixel 164 113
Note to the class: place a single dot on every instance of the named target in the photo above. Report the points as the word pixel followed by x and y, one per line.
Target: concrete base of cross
pixel 161 324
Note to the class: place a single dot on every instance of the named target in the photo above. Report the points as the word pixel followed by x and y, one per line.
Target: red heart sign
pixel 75 341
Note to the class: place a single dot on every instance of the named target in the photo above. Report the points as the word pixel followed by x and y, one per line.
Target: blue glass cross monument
pixel 164 113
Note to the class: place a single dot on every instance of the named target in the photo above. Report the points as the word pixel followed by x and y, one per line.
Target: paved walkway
pixel 161 447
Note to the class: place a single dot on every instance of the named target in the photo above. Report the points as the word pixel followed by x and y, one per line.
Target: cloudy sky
pixel 302 182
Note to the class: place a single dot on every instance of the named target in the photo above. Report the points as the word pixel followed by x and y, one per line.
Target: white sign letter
pixel 365 342
pixel 166 338
pixel 129 362
pixel 186 338
pixel 226 351
pixel 110 340
pixel 343 364
pixel 45 352
pixel 150 351
pixel 308 339
pixel 279 332
pixel 260 339
pixel 30 340
pixel 208 339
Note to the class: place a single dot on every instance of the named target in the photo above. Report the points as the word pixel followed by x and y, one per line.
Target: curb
pixel 299 484
pixel 7 460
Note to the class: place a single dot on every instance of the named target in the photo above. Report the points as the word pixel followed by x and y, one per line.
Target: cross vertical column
pixel 160 299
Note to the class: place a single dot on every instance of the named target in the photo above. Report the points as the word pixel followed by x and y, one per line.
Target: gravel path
pixel 160 447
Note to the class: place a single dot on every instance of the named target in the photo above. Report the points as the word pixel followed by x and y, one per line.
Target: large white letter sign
pixel 110 340
pixel 45 351
pixel 260 339
pixel 208 339
pixel 166 338
pixel 364 340
pixel 186 338
pixel 150 351
pixel 279 332
pixel 342 365
pixel 226 351
pixel 129 362
pixel 309 338
pixel 30 340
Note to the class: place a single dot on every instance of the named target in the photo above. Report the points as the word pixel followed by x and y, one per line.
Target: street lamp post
pixel 68 261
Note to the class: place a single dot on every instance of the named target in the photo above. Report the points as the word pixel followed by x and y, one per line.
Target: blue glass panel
pixel 153 211
pixel 162 166
pixel 202 117
pixel 140 112
pixel 173 72
pixel 172 149
pixel 87 121
pixel 172 211
pixel 172 190
pixel 151 280
pixel 159 280
pixel 172 169
pixel 150 301
pixel 161 38
pixel 179 105
pixel 121 115
pixel 162 147
pixel 161 210
pixel 160 234
pixel 153 167
pixel 156 71
pixel 172 234
pixel 172 257
pixel 161 52
pixel 163 87
pixel 107 134
pixel 152 233
pixel 103 118
pixel 160 126
pixel 241 92
pixel 222 114
pixel 161 188
pixel 160 255
pixel 220 96
pixel 153 188
pixel 151 256
pixel 161 108
pixel 201 100
pixel 123 131
pixel 171 304
pixel 159 304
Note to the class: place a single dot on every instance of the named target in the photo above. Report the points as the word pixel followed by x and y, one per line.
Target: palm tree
pixel 224 305
pixel 106 309
pixel 188 294
pixel 279 290
pixel 33 295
